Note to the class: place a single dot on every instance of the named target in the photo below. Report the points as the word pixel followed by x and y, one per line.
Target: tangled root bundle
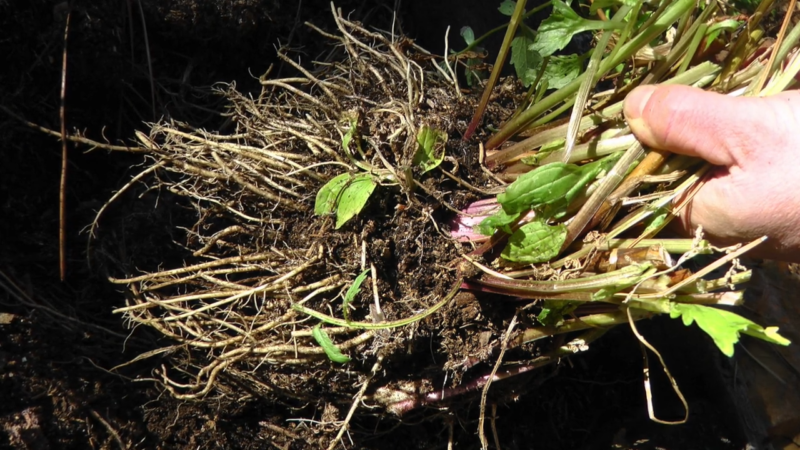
pixel 261 259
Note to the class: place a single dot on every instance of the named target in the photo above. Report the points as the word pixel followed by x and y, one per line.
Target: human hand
pixel 754 142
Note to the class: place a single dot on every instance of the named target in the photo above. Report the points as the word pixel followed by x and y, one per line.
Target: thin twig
pixel 485 392
pixel 62 210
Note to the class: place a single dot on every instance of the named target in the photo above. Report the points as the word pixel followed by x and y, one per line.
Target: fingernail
pixel 633 108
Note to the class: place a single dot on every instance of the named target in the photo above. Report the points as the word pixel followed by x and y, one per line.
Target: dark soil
pixel 65 381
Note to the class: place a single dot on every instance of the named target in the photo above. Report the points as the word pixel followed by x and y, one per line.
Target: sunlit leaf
pixel 535 242
pixel 351 293
pixel 328 195
pixel 324 341
pixel 354 197
pixel 499 220
pixel 430 148
pixel 724 326
pixel 553 186
pixel 556 31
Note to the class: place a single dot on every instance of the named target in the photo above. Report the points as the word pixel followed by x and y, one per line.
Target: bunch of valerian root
pixel 321 249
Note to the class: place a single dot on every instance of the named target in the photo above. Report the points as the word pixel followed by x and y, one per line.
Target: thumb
pixel 694 122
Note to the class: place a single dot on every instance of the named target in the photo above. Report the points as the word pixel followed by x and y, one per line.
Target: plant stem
pixel 516 18
pixel 671 14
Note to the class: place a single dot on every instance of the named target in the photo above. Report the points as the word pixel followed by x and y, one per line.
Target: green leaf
pixel 430 141
pixel 656 220
pixel 499 220
pixel 351 293
pixel 324 341
pixel 724 326
pixel 553 312
pixel 348 137
pixel 561 70
pixel 354 197
pixel 525 60
pixel 507 7
pixel 328 195
pixel 535 242
pixel 468 35
pixel 556 31
pixel 603 4
pixel 552 186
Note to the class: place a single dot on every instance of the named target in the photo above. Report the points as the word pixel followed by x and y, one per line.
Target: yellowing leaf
pixel 430 149
pixel 724 326
pixel 535 242
pixel 354 197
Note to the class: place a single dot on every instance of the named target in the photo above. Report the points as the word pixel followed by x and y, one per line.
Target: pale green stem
pixel 670 15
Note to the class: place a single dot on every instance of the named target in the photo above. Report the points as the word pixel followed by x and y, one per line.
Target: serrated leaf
pixel 468 35
pixel 430 141
pixel 507 7
pixel 497 221
pixel 535 242
pixel 556 31
pixel 351 293
pixel 561 70
pixel 354 197
pixel 525 60
pixel 550 188
pixel 324 341
pixel 724 326
pixel 328 195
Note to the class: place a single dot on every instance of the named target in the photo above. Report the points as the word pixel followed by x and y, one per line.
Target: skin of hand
pixel 754 144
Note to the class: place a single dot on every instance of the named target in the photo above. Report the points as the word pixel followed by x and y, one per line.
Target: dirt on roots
pixel 217 239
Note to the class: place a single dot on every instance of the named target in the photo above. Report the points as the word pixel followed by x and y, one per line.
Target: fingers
pixel 694 122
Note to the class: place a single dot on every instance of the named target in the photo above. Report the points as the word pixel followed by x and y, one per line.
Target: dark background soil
pixel 56 387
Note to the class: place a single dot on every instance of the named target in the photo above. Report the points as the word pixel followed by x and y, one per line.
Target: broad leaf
pixel 556 31
pixel 430 149
pixel 351 293
pixel 724 326
pixel 553 312
pixel 507 7
pixel 561 70
pixel 328 195
pixel 324 341
pixel 468 35
pixel 550 188
pixel 603 4
pixel 525 60
pixel 499 220
pixel 354 197
pixel 535 242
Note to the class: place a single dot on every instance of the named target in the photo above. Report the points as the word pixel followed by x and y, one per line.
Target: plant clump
pixel 345 231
